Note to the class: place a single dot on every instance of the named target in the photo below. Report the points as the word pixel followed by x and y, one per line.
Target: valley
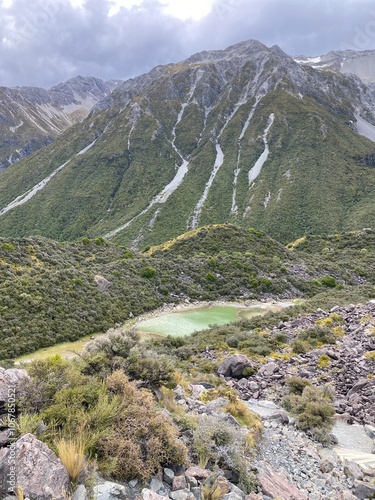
pixel 187 292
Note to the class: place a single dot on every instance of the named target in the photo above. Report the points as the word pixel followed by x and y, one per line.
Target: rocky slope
pixel 348 370
pixel 246 135
pixel 32 118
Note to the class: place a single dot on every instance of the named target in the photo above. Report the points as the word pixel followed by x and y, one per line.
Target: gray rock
pixel 364 491
pixel 233 496
pixel 107 490
pixel 168 476
pixel 358 386
pixel 370 431
pixel 40 473
pixel 80 493
pixel 197 493
pixel 5 437
pixel 103 283
pixel 268 369
pixel 353 470
pixel 156 486
pixel 182 495
pixel 236 490
pixel 9 379
pixel 235 365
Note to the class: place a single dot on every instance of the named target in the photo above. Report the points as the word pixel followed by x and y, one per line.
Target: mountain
pixel 32 117
pixel 245 135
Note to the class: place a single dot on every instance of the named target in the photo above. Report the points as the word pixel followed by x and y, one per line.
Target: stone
pixel 80 493
pixel 197 472
pixel 364 491
pixel 151 495
pixel 156 485
pixel 191 482
pixel 232 496
pixel 40 473
pixel 274 484
pixel 168 475
pixel 235 489
pixel 196 491
pixel 179 483
pixel 181 495
pixel 107 490
pixel 254 496
pixel 6 437
pixel 353 470
pixel 103 283
pixel 268 369
pixel 235 365
pixel 358 386
pixel 346 495
pixel 370 431
pixel 9 379
pixel 280 416
pixel 326 466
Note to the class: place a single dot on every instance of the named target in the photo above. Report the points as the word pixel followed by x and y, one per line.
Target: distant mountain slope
pixel 245 135
pixel 33 117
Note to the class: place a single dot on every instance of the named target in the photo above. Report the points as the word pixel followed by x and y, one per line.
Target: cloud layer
pixel 48 41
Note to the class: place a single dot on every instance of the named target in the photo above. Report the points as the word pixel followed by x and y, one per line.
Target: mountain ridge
pixel 245 135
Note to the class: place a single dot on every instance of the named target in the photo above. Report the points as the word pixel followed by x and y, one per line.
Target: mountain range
pixel 247 135
pixel 33 117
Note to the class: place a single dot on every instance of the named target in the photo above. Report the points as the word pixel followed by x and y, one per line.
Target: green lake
pixel 186 321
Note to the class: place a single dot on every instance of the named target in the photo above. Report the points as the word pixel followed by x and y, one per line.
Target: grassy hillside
pixel 52 292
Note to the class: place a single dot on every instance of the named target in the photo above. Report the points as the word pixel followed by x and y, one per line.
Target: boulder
pixel 364 491
pixel 234 366
pixel 274 484
pixel 353 471
pixel 9 379
pixel 35 468
pixel 268 369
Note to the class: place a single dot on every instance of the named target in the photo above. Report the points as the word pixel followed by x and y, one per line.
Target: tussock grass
pixel 72 455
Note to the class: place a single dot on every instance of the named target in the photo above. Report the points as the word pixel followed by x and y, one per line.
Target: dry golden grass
pixel 72 454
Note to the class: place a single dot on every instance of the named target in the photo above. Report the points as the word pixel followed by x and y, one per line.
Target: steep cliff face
pixel 33 117
pixel 245 135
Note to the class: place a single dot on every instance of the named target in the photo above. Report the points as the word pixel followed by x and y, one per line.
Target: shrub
pixel 148 272
pixel 328 281
pixel 300 346
pixel 7 246
pixel 152 369
pixel 313 411
pixel 296 385
pixel 324 361
pixel 143 438
pixel 215 442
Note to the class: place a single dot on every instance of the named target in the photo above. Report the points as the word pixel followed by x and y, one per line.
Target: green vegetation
pixel 60 292
pixel 314 411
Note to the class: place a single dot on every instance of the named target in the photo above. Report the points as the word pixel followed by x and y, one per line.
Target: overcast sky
pixel 44 42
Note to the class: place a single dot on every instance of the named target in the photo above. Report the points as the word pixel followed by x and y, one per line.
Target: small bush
pixel 296 385
pixel 7 246
pixel 328 281
pixel 148 272
pixel 313 411
pixel 324 361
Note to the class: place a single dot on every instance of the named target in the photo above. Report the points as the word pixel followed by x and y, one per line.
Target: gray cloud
pixel 48 41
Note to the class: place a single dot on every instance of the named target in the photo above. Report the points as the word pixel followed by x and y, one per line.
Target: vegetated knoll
pixel 53 292
pixel 220 239
pixel 181 147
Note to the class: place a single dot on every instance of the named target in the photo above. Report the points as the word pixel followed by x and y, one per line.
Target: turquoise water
pixel 185 322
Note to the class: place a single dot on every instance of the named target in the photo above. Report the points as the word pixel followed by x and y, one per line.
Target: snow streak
pixel 23 198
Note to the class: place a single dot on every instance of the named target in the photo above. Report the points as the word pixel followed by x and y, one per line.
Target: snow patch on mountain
pixel 256 169
pixel 365 128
